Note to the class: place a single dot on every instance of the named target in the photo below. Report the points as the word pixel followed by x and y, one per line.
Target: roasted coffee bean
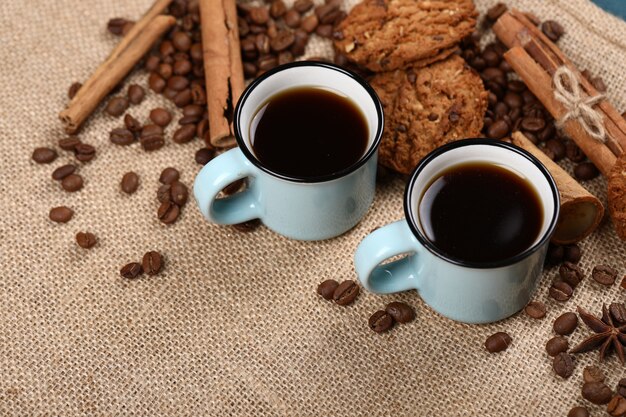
pixel 196 53
pixel 69 144
pixel 184 134
pixel 160 116
pixel 152 143
pixel 571 273
pixel 131 270
pixel 182 67
pixel 346 293
pixel 198 95
pixel 204 155
pixel 181 41
pixel 247 227
pixel 121 136
pixel 561 291
pixel 604 274
pixel 277 9
pixel 309 23
pixel 156 82
pixel 61 214
pixel 598 84
pixel 267 62
pixel 179 193
pixel 618 311
pixel 169 175
pixel 494 12
pixel 72 183
pixel 500 109
pixel 513 100
pixel 555 254
pixel 71 92
pixel 516 86
pixel 565 324
pixel 166 48
pixel 116 106
pixel 303 6
pixel 552 30
pixel 301 38
pixel 132 124
pixel 178 83
pixel 152 263
pixel 285 57
pixel 623 283
pixel 498 129
pixel 249 70
pixel 84 152
pixel 86 240
pixel 168 212
pixel 597 392
pixel 621 387
pixel 324 10
pixel 533 124
pixel 617 406
pixel 165 71
pixel 259 15
pixel 325 31
pixel 593 374
pixel 401 312
pixel 586 171
pixel 535 309
pixel 151 64
pixel 380 321
pixel 169 94
pixel 63 171
pixel 151 130
pixel 492 59
pixel 548 152
pixel 497 342
pixel 44 155
pixel 578 412
pixel 135 94
pixel 202 129
pixel 118 25
pixel 548 133
pixel 130 182
pixel 193 110
pixel 556 345
pixel 563 365
pixel 557 147
pixel 283 40
pixel 573 152
pixel 292 18
pixel 572 253
pixel 183 98
pixel 164 193
pixel 327 288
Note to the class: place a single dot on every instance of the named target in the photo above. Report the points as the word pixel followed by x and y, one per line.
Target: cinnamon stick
pixel 617 196
pixel 222 67
pixel 113 70
pixel 540 84
pixel 580 211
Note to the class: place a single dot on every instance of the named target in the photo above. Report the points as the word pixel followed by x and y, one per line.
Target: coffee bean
pixel 44 155
pixel 151 64
pixel 586 171
pixel 195 52
pixel 604 274
pixel 535 309
pixel 327 288
pixel 303 6
pixel 182 67
pixel 346 293
pixel 498 130
pixel 72 183
pixel 292 18
pixel 533 124
pixel 179 193
pixel 116 106
pixel 84 152
pixel 130 182
pixel 156 82
pixel 618 311
pixel 247 227
pixel 63 171
pixel 164 193
pixel 516 86
pixel 285 57
pixel 548 133
pixel 494 12
pixel 492 59
pixel 593 374
pixel 324 10
pixel 301 38
pixel 184 134
pixel 118 25
pixel 69 144
pixel 571 273
pixel 597 392
pixel 325 31
pixel 249 70
pixel 181 41
pixel 401 312
pixel 598 84
pixel 563 365
pixel 166 49
pixel 578 412
pixel 198 96
pixel 556 345
pixel 555 254
pixel 152 143
pixel 136 93
pixel 500 109
pixel 572 253
pixel 204 155
pixel 552 30
pixel 513 100
pixel 121 136
pixel 131 270
pixel 266 63
pixel 152 262
pixel 71 92
pixel 283 40
pixel 498 342
pixel 160 116
pixel 259 15
pixel 573 152
pixel 169 175
pixel 169 94
pixel 557 147
pixel 165 71
pixel 86 240
pixel 380 321
pixel 168 212
pixel 277 9
pixel 561 291
pixel 565 324
pixel 617 406
pixel 621 387
pixel 183 98
pixel 178 83
pixel 61 214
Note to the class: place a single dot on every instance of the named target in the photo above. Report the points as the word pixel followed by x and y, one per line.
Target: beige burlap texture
pixel 233 326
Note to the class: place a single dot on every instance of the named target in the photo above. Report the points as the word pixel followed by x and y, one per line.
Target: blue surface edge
pixel 616 7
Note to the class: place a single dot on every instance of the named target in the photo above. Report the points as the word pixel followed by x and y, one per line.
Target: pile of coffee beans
pixel 151 264
pixel 394 312
pixel 570 275
pixel 172 195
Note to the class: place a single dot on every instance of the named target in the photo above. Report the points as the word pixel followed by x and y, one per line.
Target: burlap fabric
pixel 233 326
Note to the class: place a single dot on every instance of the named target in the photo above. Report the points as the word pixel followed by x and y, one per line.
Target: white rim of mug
pixel 320 178
pixel 412 221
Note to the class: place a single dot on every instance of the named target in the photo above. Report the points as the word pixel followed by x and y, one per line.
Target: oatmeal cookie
pixel 384 35
pixel 426 108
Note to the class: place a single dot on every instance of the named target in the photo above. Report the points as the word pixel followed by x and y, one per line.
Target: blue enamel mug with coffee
pixel 298 207
pixel 469 291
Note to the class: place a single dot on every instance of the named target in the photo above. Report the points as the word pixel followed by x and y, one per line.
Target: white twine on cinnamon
pixel 579 107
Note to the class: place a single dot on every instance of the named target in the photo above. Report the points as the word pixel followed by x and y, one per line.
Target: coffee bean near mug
pixel 479 215
pixel 308 135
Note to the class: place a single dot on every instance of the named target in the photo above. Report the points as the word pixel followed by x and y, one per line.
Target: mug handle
pixel 383 243
pixel 217 174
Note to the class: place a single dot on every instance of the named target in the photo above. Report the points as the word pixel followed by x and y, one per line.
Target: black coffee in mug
pixel 480 212
pixel 308 132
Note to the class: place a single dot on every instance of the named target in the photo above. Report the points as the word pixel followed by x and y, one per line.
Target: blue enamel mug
pixel 311 208
pixel 471 292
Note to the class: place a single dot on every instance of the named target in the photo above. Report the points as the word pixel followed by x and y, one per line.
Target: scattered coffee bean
pixel 604 274
pixel 169 175
pixel 553 30
pixel 565 324
pixel 121 136
pixel 557 345
pixel 168 212
pixel 572 253
pixel 618 311
pixel 132 124
pixel 498 342
pixel 561 291
pixel 563 365
pixel 593 374
pixel 63 171
pixel 61 214
pixel 249 226
pixel 73 90
pixel 586 171
pixel 44 155
pixel 130 182
pixel 535 309
pixel 131 270
pixel 184 134
pixel 160 117
pixel 597 392
pixel 152 262
pixel 617 406
pixel 578 412
pixel 84 152
pixel 573 152
pixel 204 155
pixel 72 183
pixel 151 137
pixel 178 193
pixel 116 106
pixel 621 387
pixel 327 288
pixel 401 312
pixel 346 293
pixel 571 273
pixel 69 144
pixel 118 26
pixel 86 240
pixel 164 193
pixel 380 321
pixel 136 93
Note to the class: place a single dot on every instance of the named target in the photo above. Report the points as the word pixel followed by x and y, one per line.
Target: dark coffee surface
pixel 480 212
pixel 308 132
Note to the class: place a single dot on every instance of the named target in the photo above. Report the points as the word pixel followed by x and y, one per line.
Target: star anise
pixel 609 333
